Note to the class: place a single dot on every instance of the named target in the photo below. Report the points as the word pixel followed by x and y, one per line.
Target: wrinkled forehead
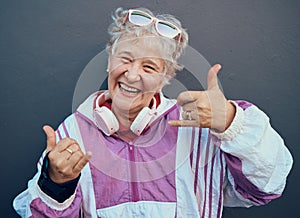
pixel 144 47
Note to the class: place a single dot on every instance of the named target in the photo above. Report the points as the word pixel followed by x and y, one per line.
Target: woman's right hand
pixel 66 158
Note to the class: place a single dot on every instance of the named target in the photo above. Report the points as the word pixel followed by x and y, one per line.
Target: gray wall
pixel 45 44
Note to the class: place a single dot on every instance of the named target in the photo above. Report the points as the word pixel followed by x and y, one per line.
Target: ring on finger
pixel 188 115
pixel 69 150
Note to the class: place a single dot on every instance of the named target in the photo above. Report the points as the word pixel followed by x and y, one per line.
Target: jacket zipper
pixel 133 175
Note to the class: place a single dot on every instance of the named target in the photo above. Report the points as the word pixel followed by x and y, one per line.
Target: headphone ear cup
pixel 106 120
pixel 141 121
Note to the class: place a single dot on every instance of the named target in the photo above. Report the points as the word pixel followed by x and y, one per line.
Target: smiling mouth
pixel 128 89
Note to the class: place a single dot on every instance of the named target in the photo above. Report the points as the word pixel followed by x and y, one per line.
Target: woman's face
pixel 136 73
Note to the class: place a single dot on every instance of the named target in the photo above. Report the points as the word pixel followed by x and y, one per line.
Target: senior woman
pixel 131 152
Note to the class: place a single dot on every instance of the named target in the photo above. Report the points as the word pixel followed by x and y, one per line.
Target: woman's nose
pixel 133 74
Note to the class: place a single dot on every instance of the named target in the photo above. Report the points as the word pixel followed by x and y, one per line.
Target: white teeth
pixel 128 89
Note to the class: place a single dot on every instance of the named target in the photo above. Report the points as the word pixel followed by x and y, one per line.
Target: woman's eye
pixel 150 68
pixel 126 59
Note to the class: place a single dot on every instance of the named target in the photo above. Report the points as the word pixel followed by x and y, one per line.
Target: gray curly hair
pixel 172 48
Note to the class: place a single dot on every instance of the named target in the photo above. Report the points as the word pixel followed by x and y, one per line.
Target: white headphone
pixel 108 123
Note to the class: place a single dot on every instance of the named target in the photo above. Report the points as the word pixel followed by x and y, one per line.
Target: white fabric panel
pixel 145 209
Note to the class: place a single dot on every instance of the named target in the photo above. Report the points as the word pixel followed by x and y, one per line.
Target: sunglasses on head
pixel 163 28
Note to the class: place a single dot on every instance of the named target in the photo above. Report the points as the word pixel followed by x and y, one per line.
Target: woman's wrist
pixel 230 113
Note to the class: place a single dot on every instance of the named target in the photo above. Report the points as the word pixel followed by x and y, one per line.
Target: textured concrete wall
pixel 45 44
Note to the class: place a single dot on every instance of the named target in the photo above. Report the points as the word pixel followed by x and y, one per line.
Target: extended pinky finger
pixel 184 123
pixel 82 162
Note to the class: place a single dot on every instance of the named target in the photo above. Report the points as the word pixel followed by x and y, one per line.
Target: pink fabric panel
pixel 140 170
pixel 40 209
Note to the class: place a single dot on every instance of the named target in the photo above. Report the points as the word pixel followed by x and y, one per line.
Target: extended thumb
pixel 212 78
pixel 51 137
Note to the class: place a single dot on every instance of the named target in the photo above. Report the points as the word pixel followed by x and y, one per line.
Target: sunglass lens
pixel 167 29
pixel 139 19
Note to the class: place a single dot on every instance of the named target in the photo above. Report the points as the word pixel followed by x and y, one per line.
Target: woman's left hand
pixel 206 109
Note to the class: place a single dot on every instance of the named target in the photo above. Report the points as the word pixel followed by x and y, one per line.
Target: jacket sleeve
pixel 33 202
pixel 257 160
